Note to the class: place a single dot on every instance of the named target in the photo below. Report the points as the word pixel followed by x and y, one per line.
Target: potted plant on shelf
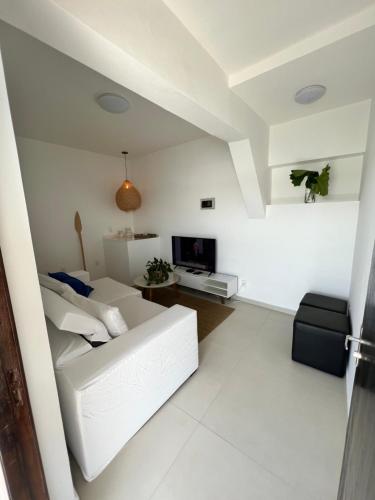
pixel 157 271
pixel 315 183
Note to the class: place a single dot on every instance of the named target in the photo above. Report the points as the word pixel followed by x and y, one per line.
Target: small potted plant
pixel 157 271
pixel 315 183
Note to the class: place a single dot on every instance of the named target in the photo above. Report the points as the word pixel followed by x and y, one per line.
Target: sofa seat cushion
pixel 66 347
pixel 136 310
pixel 108 291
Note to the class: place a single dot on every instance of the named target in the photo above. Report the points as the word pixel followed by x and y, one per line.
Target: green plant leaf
pixel 311 179
pixel 297 176
pixel 157 271
pixel 318 183
pixel 323 181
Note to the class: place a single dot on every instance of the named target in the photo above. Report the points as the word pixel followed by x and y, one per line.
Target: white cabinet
pixel 222 285
pixel 126 259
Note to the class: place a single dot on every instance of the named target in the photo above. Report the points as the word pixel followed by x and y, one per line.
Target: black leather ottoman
pixel 319 339
pixel 325 302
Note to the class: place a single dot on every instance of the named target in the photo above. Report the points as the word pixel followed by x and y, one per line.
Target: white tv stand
pixel 222 285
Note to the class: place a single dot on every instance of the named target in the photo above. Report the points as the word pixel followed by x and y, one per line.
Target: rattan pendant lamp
pixel 127 196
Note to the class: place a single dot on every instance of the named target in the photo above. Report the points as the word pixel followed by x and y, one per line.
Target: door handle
pixel 359 340
pixel 363 357
pixel 357 354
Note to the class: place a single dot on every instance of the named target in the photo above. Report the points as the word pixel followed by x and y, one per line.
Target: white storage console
pixel 222 285
pixel 127 258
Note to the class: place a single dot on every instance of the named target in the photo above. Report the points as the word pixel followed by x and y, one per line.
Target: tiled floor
pixel 250 424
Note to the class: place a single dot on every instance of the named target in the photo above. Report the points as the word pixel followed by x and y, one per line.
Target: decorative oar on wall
pixel 78 228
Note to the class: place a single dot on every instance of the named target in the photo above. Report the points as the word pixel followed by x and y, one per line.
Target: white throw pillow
pixel 109 315
pixel 66 316
pixel 67 346
pixel 53 284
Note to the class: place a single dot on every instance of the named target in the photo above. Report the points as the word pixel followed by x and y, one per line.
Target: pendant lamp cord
pixel 125 153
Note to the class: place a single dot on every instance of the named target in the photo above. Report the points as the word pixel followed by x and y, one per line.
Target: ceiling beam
pixel 354 24
pixel 250 185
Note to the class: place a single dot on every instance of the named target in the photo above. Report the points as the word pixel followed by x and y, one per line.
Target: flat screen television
pixel 195 253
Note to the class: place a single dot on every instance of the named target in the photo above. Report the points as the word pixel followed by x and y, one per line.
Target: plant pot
pixel 310 196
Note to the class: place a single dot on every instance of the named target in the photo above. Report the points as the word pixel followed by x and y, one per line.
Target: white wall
pixel 364 244
pixel 19 263
pixel 58 181
pixel 296 248
pixel 337 132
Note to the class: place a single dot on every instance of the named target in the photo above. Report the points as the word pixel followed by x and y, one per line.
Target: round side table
pixel 142 283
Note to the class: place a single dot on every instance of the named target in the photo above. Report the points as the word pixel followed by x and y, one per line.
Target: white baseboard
pixel 284 310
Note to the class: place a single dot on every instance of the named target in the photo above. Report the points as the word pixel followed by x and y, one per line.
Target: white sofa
pixel 108 393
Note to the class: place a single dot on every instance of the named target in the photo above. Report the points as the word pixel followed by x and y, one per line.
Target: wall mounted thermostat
pixel 207 203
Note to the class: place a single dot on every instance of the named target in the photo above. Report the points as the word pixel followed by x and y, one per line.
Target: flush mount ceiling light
pixel 310 94
pixel 112 103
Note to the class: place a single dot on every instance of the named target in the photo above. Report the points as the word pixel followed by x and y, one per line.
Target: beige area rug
pixel 209 314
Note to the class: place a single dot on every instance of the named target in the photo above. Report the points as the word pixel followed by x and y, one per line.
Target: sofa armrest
pixel 81 275
pixel 108 394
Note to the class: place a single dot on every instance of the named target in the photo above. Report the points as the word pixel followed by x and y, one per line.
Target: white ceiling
pixel 269 49
pixel 239 33
pixel 346 68
pixel 52 99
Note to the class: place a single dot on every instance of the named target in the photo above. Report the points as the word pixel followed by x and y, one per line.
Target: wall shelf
pixel 319 200
pixel 215 291
pixel 344 181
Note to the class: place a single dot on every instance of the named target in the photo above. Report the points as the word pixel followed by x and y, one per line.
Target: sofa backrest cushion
pixel 67 317
pixel 53 284
pixel 66 347
pixel 109 315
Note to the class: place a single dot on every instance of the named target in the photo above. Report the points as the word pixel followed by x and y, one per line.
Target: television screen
pixel 196 253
